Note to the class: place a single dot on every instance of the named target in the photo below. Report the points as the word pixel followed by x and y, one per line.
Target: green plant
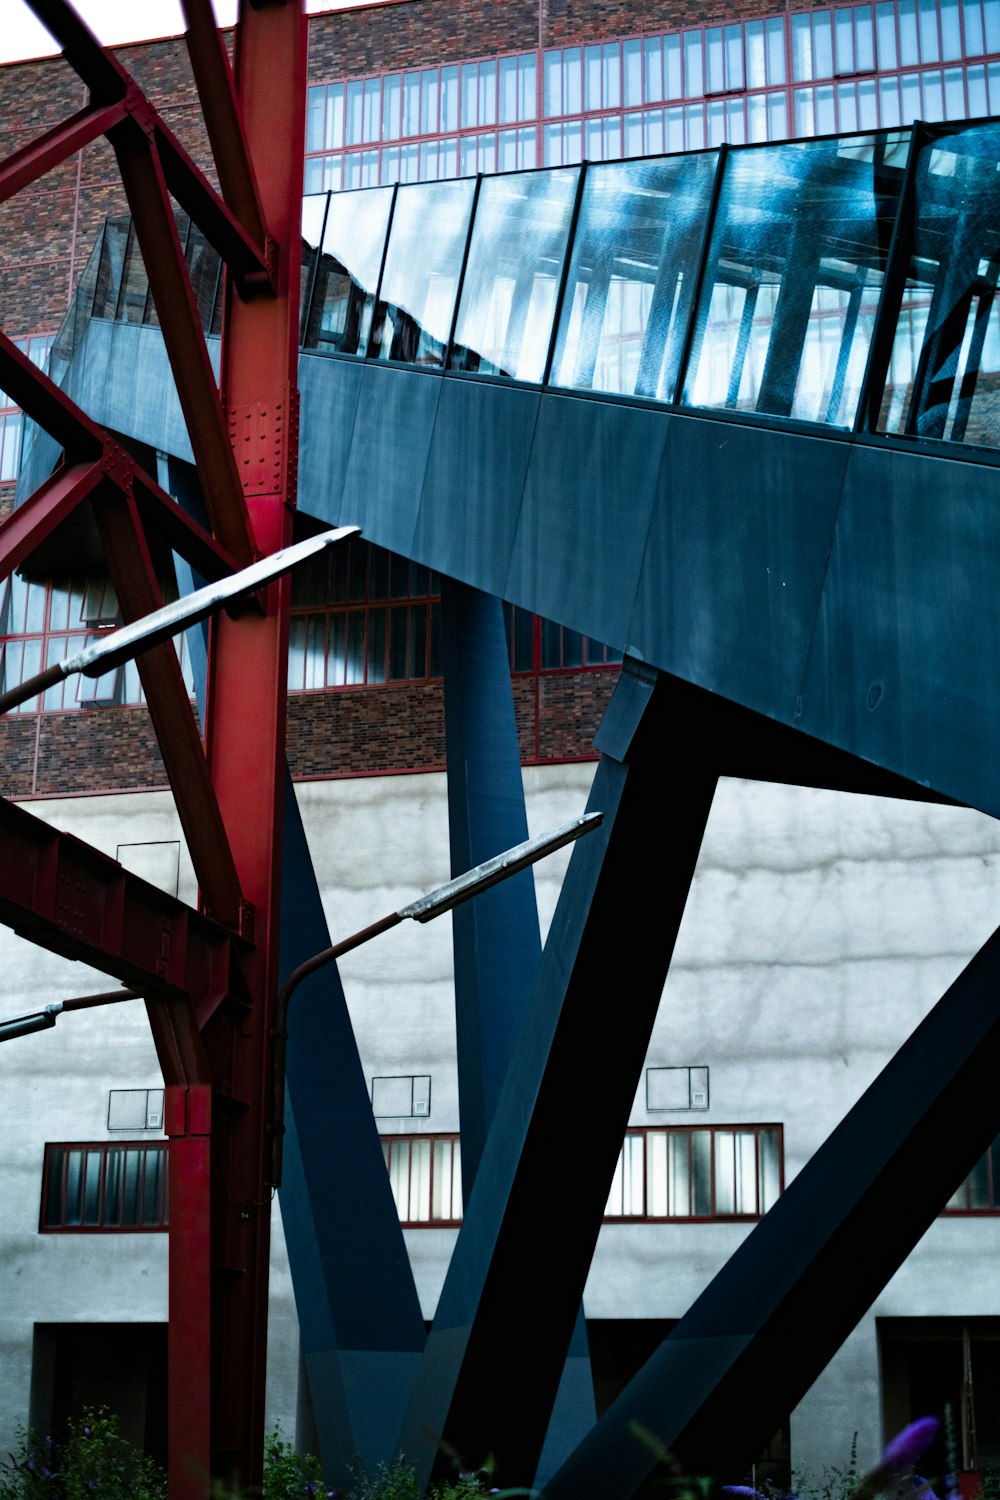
pixel 288 1474
pixel 92 1460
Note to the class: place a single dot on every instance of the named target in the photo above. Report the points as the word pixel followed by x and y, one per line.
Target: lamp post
pixel 434 904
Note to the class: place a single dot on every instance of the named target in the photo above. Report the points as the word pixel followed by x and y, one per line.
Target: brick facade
pixel 415 33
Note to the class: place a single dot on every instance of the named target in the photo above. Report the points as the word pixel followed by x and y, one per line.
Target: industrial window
pixel 42 622
pixel 681 1173
pixel 425 1172
pixel 668 1174
pixel 104 1187
pixel 362 616
pixel 538 645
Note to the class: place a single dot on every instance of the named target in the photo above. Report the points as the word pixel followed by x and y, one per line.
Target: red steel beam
pixel 101 71
pixel 142 176
pixel 245 726
pixel 47 151
pixel 57 891
pixel 177 733
pixel 45 403
pixel 213 77
pixel 28 526
pixel 110 83
pixel 36 394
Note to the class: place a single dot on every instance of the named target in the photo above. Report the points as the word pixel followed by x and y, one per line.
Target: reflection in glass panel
pixel 944 373
pixel 634 261
pixel 430 226
pixel 794 273
pixel 512 278
pixel 340 314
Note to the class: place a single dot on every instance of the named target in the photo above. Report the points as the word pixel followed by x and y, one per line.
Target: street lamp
pixel 118 646
pixel 424 909
pixel 42 1020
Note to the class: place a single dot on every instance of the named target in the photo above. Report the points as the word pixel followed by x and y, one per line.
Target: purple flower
pixel 746 1490
pixel 908 1445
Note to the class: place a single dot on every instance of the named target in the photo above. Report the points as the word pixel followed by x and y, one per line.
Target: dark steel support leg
pixel 360 1324
pixel 763 1330
pixel 499 1342
pixel 496 937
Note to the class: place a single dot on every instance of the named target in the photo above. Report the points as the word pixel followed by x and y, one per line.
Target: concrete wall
pixel 820 929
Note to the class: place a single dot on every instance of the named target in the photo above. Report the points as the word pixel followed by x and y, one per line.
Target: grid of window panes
pixel 842 68
pixel 44 621
pixel 682 1172
pixel 423 124
pixel 425 1172
pixel 672 1173
pixel 36 346
pixel 109 1186
pixel 362 616
pixel 538 645
pixel 980 1192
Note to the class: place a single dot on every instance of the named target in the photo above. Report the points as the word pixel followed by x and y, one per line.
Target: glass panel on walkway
pixel 347 274
pixel 794 274
pixel 632 275
pixel 516 256
pixel 944 374
pixel 430 225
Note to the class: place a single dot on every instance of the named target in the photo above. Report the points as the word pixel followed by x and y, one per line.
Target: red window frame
pixel 57 1212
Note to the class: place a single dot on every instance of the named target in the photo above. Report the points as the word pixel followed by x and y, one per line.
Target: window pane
pixel 701 1173
pixel 794 271
pixel 553 83
pixel 55 1166
pixel 632 67
pixel 515 262
pixel 91 1188
pixel 767 1146
pixel 635 255
pixel 679 1175
pixel 347 274
pixel 944 375
pixel 422 265
pixel 420 1180
pixel 756 76
pixel 775 28
pixel 694 51
pixel 657 1202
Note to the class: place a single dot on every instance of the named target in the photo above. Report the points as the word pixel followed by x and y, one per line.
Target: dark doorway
pixel 122 1366
pixel 934 1366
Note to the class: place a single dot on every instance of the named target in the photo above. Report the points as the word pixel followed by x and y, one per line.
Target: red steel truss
pixel 210 976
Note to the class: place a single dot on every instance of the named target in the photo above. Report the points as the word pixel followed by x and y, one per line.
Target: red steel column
pixel 245 730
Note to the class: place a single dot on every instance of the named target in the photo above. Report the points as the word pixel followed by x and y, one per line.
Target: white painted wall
pixel 820 930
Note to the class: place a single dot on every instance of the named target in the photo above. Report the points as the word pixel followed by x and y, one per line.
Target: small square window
pixel 135 1109
pixel 407 1096
pixel 676 1088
